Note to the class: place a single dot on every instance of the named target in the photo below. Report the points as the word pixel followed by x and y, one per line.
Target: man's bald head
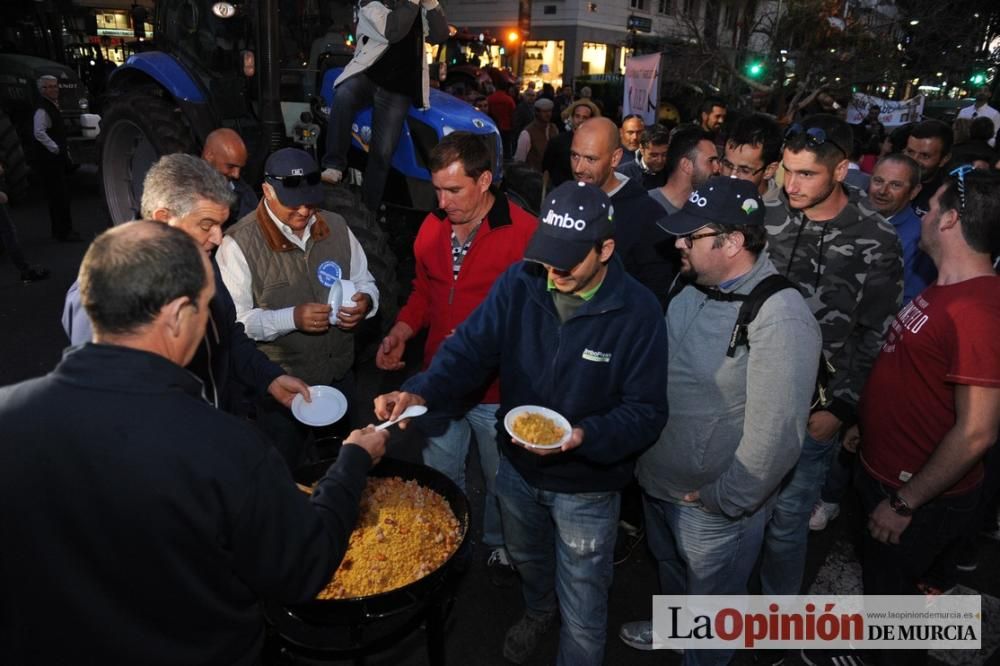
pixel 226 152
pixel 604 129
pixel 595 153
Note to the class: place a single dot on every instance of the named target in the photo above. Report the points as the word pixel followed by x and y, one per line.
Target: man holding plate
pixel 569 330
pixel 280 264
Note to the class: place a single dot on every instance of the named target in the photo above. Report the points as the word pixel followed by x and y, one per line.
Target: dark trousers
pixel 896 569
pixel 8 238
pixel 388 116
pixel 55 186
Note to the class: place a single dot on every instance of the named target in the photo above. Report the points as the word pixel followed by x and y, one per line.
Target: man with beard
pixel 691 160
pixel 707 491
pixel 594 155
pixel 712 115
pixel 845 258
pixel 929 145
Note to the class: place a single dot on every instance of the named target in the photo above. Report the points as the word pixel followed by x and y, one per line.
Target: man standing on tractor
pixel 389 71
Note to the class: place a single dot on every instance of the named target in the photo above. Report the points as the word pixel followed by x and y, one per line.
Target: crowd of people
pixel 738 319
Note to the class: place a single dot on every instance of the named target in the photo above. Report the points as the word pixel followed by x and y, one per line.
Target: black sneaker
pixel 500 569
pixel 34 274
pixel 522 638
pixel 832 658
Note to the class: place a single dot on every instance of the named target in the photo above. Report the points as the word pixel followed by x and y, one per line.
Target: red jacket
pixel 440 302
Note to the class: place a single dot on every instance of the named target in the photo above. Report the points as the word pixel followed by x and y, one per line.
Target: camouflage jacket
pixel 850 270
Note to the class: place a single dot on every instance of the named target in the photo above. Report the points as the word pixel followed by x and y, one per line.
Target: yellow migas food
pixel 405 531
pixel 537 429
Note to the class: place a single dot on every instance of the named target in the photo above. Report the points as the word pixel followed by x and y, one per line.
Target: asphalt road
pixel 32 341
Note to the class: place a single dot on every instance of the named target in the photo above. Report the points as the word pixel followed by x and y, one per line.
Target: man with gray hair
pixel 185 192
pixel 51 159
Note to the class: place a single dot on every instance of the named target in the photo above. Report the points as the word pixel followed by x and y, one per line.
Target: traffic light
pixel 755 69
pixel 978 78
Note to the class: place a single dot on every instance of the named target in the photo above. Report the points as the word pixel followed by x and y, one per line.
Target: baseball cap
pixel 574 217
pixel 730 202
pixel 295 177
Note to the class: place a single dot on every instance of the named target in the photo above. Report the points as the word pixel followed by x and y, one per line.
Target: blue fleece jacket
pixel 604 369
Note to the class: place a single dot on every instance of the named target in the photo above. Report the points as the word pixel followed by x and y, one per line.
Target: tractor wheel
pixel 12 159
pixel 346 201
pixel 138 128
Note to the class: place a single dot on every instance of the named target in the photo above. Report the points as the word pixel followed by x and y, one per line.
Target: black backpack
pixel 750 305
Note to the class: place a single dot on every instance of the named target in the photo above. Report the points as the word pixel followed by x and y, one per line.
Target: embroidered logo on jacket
pixel 596 356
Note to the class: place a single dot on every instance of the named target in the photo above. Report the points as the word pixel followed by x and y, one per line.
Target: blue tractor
pixel 255 66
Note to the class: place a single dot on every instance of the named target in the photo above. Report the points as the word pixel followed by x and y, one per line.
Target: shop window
pixel 595 57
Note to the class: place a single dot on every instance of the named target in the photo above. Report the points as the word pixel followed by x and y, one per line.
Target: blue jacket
pixel 604 369
pixel 918 269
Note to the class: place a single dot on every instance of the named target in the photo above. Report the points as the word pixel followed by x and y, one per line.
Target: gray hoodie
pixel 736 424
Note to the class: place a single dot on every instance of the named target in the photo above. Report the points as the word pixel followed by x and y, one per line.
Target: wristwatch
pixel 899 505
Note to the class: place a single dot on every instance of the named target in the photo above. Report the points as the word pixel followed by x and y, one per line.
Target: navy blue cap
pixel 729 202
pixel 295 177
pixel 574 217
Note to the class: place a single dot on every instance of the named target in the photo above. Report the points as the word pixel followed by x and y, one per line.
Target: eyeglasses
pixel 292 182
pixel 815 137
pixel 691 238
pixel 958 173
pixel 742 170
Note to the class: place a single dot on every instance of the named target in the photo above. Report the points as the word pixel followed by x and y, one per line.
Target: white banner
pixel 941 622
pixel 642 86
pixel 892 113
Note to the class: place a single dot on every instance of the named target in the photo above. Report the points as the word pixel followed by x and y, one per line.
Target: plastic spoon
pixel 408 413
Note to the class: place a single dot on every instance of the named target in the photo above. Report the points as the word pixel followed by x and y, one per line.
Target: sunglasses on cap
pixel 958 173
pixel 292 182
pixel 815 137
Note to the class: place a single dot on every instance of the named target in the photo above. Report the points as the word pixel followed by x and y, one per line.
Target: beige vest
pixel 285 276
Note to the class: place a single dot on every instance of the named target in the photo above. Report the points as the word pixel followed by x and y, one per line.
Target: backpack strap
pixel 752 303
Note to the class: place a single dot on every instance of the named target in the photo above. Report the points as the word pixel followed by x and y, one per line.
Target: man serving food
pixel 557 327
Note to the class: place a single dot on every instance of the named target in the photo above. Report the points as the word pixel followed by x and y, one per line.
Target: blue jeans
pixel 563 547
pixel 388 115
pixel 698 552
pixel 784 556
pixel 839 476
pixel 447 453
